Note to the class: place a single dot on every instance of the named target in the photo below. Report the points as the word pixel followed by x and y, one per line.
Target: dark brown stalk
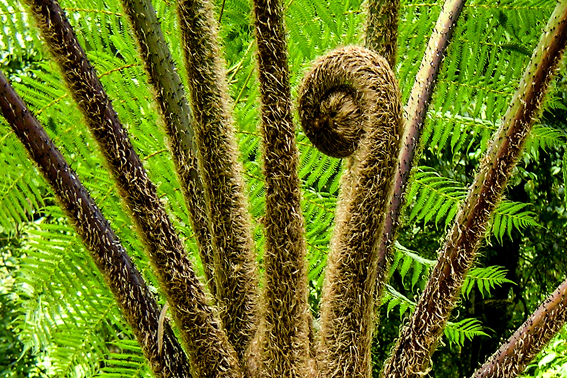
pixel 236 273
pixel 283 338
pixel 416 110
pixel 349 106
pixel 514 355
pixel 127 285
pixel 382 29
pixel 177 119
pixel 411 355
pixel 209 352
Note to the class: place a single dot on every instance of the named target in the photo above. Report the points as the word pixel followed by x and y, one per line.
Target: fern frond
pixel 485 279
pixel 394 298
pixel 466 329
pixel 434 196
pixel 543 137
pixel 20 198
pixel 69 308
pixel 510 215
pixel 18 41
pixel 484 70
pixel 455 332
pixel 404 259
pixel 318 170
pixel 318 210
pixel 437 199
pixel 125 360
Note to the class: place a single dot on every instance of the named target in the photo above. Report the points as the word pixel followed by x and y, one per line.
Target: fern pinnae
pixel 457 332
pixel 236 275
pixel 349 107
pixel 485 280
pixel 511 215
pixel 198 324
pixel 419 337
pixel 126 283
pixel 283 340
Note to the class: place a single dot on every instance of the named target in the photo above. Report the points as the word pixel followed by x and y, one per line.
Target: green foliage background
pixel 52 296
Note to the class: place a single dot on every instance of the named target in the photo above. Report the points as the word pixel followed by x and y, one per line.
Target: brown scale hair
pixel 353 88
pixel 282 347
pixel 236 275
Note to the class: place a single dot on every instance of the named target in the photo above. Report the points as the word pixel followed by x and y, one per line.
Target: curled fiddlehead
pixel 349 107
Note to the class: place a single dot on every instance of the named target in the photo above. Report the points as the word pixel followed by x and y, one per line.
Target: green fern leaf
pixel 485 279
pixel 465 329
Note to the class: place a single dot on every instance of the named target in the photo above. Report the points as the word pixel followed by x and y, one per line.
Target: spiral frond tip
pixel 343 95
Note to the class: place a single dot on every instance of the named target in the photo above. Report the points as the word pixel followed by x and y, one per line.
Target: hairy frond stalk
pixel 382 29
pixel 283 340
pixel 514 355
pixel 236 276
pixel 177 119
pixel 411 355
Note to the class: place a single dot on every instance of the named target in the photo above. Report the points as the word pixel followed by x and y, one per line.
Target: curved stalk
pixel 349 106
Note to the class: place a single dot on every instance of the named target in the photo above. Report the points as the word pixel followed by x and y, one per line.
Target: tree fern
pixel 474 88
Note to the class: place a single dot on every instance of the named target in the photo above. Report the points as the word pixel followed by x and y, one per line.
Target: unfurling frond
pixel 349 107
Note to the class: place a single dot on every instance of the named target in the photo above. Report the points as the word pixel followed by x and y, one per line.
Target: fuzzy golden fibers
pixel 382 28
pixel 353 88
pixel 235 270
pixel 284 331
